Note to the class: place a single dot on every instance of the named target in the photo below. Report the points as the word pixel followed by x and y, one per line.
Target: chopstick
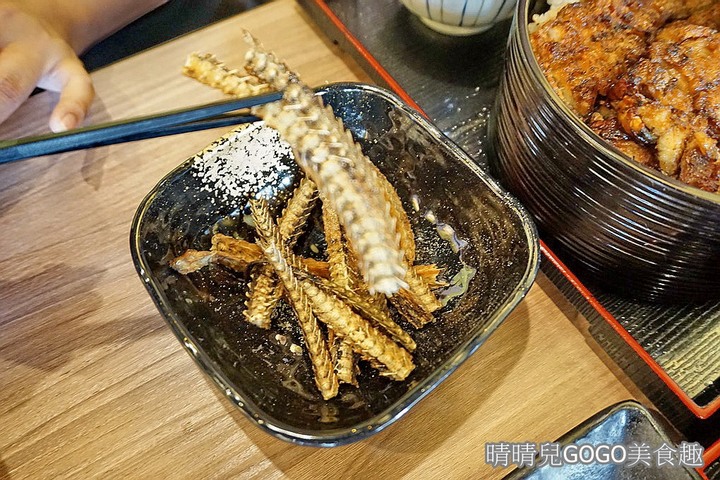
pixel 201 117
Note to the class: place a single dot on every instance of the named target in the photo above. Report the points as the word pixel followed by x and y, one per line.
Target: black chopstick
pixel 170 123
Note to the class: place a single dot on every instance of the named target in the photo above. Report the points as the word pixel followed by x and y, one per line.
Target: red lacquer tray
pixel 453 81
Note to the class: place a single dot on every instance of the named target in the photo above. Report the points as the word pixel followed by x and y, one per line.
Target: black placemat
pixel 454 80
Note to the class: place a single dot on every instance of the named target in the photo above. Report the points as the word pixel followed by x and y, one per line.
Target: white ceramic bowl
pixel 461 17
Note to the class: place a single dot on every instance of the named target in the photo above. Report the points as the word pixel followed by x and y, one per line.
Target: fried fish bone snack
pixel 330 157
pixel 339 318
pixel 356 323
pixel 342 304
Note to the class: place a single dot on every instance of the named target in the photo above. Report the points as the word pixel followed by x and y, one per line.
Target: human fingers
pixel 19 73
pixel 76 93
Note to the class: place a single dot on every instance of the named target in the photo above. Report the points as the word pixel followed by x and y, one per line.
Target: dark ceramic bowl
pixel 621 224
pixel 463 222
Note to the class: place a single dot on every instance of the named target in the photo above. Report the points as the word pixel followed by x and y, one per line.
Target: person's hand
pixel 35 53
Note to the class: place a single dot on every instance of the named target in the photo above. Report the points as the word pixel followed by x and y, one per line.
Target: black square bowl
pixel 463 221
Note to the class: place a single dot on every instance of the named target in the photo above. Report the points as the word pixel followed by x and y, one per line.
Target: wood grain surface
pixel 93 383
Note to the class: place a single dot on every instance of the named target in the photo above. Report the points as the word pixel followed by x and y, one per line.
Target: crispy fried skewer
pixel 410 307
pixel 421 290
pixel 377 228
pixel 350 289
pixel 340 349
pixel 396 210
pixel 263 294
pixel 299 98
pixel 238 254
pixel 271 244
pixel 265 290
pixel 365 338
pixel 326 158
pixel 377 316
pixel 327 153
pixel 337 261
pixel 210 71
pixel 343 357
pixel 260 63
pixel 297 211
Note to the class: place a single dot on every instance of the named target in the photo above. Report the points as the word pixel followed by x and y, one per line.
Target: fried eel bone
pixel 371 247
pixel 265 291
pixel 210 71
pixel 273 246
pixel 329 156
pixel 365 338
pixel 342 276
pixel 238 254
pixel 343 357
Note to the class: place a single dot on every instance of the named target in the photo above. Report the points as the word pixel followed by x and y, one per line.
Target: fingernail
pixel 69 121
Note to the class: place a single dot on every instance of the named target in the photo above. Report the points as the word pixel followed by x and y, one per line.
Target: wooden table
pixel 92 381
